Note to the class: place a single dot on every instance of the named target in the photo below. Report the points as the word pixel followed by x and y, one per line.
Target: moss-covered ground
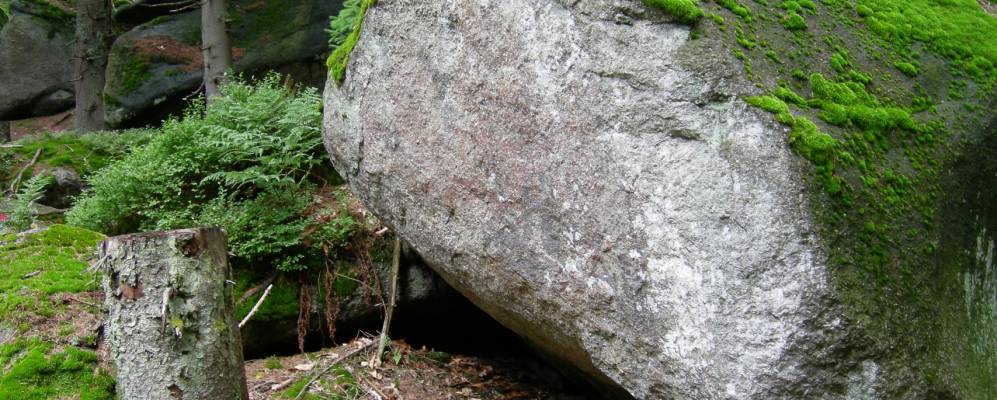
pixel 34 267
pixel 881 96
pixel 35 370
pixel 37 271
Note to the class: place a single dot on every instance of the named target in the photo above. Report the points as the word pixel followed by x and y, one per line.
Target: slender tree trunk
pixel 93 37
pixel 171 326
pixel 4 131
pixel 216 46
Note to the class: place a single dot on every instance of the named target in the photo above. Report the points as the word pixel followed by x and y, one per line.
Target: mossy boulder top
pixel 750 200
pixel 35 49
pixel 161 60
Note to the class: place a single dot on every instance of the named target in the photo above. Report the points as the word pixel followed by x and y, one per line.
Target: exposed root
pixel 332 302
pixel 304 314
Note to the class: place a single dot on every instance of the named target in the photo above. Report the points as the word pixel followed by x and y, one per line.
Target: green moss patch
pixel 340 56
pixel 33 370
pixel 34 267
pixel 880 96
pixel 684 11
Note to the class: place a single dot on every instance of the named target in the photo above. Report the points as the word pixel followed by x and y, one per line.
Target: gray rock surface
pixel 35 55
pixel 67 185
pixel 588 176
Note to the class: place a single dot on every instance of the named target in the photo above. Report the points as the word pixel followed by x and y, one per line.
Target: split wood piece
pixel 171 326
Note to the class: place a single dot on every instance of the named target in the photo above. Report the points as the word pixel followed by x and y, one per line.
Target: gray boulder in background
pixel 66 185
pixel 35 53
pixel 159 61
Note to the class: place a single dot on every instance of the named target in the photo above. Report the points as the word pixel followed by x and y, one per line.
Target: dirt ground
pixel 52 123
pixel 406 373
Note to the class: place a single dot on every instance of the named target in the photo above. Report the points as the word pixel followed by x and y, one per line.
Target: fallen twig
pixel 257 306
pixel 86 303
pixel 17 178
pixel 249 293
pixel 372 388
pixel 339 359
pixel 375 361
pixel 31 274
pixel 282 385
pixel 95 266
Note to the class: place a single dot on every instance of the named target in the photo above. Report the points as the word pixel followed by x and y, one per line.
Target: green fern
pixel 342 24
pixel 22 217
pixel 251 162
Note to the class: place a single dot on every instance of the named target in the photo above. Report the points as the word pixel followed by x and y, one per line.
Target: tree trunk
pixel 4 131
pixel 93 37
pixel 171 325
pixel 216 46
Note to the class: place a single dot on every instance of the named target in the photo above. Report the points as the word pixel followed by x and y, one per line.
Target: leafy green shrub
pixel 685 11
pixel 252 163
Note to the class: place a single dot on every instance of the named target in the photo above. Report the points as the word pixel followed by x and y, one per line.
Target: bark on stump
pixel 4 131
pixel 171 326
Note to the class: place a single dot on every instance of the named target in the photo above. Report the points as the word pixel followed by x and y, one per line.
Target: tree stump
pixel 4 131
pixel 171 325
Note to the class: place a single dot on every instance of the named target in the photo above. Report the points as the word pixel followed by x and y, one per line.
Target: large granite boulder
pixel 160 61
pixel 589 175
pixel 35 54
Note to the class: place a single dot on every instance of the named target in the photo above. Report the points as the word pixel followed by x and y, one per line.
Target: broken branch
pixel 257 306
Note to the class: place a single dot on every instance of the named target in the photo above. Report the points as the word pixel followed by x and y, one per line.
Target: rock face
pixel 35 49
pixel 67 185
pixel 593 182
pixel 160 61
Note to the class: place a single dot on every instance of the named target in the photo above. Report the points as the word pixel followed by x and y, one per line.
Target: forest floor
pixel 406 373
pixel 51 313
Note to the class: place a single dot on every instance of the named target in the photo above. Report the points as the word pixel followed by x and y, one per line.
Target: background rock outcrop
pixel 588 174
pixel 154 65
pixel 35 52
